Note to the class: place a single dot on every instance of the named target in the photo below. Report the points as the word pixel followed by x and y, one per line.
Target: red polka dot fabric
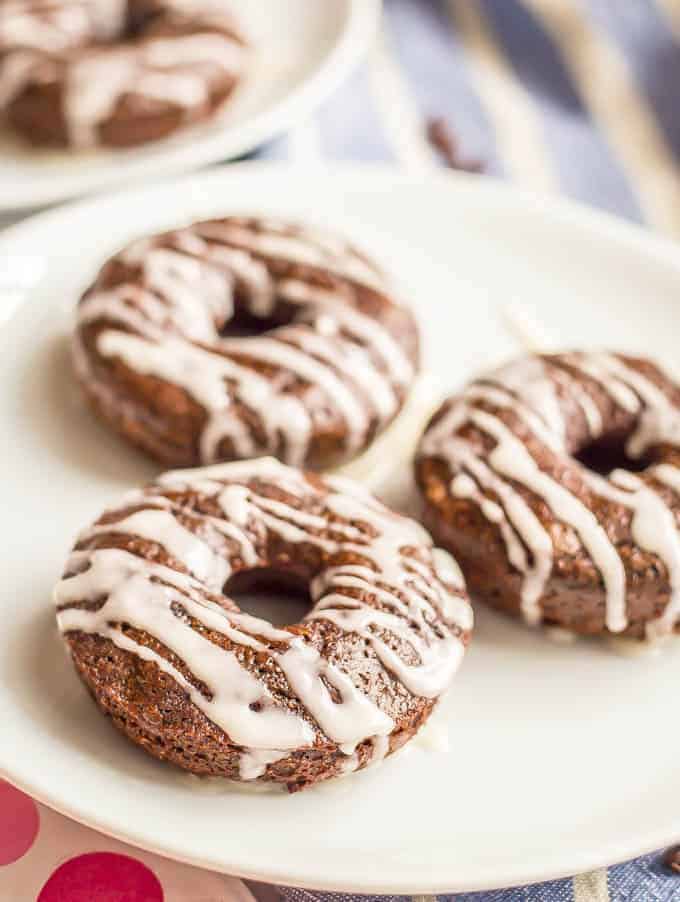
pixel 106 876
pixel 47 858
pixel 19 824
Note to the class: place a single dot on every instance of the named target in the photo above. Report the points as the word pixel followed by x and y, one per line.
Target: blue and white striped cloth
pixel 643 880
pixel 579 97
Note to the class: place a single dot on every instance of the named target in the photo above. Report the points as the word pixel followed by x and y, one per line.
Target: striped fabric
pixel 570 96
pixel 579 97
pixel 643 880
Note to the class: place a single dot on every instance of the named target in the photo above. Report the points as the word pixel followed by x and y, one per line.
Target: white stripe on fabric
pixel 671 10
pixel 603 79
pixel 401 120
pixel 516 122
pixel 304 144
pixel 591 887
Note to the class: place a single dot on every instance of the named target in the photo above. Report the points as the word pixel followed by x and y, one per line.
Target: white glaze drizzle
pixel 519 527
pixel 314 248
pixel 417 601
pixel 527 380
pixel 497 396
pixel 653 526
pixel 356 366
pixel 177 69
pixel 668 475
pixel 61 27
pixel 512 460
pixel 659 420
pixel 162 527
pixel 594 365
pixel 253 762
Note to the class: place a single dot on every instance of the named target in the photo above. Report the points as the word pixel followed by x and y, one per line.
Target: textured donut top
pixel 508 439
pixel 86 46
pixel 375 576
pixel 344 359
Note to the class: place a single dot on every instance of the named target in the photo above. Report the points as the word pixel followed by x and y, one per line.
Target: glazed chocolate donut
pixel 241 337
pixel 114 72
pixel 517 478
pixel 144 609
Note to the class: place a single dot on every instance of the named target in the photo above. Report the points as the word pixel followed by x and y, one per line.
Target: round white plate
pixel 303 49
pixel 560 758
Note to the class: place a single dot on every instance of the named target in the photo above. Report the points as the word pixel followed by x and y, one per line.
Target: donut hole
pixel 278 596
pixel 244 323
pixel 609 453
pixel 137 17
pixel 140 16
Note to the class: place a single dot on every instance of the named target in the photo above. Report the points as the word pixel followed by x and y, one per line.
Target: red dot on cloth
pixel 104 876
pixel 19 823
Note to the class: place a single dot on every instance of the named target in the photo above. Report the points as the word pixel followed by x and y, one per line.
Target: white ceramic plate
pixel 560 758
pixel 303 50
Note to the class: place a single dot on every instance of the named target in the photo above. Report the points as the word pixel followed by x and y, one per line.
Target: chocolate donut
pixel 144 609
pixel 516 473
pixel 240 337
pixel 114 72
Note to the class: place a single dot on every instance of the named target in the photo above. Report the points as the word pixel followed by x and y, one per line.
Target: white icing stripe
pixel 594 365
pixel 15 69
pixel 407 591
pixel 425 679
pixel 174 276
pixel 522 528
pixel 353 363
pixel 498 397
pixel 188 50
pixel 447 569
pixel 162 527
pixel 653 528
pixel 63 27
pixel 528 379
pixel 251 273
pixel 591 412
pixel 465 487
pixel 279 354
pixel 205 376
pixel 660 419
pixel 398 365
pixel 254 762
pixel 668 475
pixel 304 248
pixel 262 468
pixel 348 722
pixel 511 459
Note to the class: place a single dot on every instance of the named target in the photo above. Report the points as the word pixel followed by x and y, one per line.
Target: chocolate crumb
pixel 443 139
pixel 671 859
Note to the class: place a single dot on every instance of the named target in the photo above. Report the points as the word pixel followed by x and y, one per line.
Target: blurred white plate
pixel 303 50
pixel 561 758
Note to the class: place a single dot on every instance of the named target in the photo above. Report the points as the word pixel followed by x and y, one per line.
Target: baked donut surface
pixel 516 473
pixel 144 608
pixel 83 73
pixel 240 337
